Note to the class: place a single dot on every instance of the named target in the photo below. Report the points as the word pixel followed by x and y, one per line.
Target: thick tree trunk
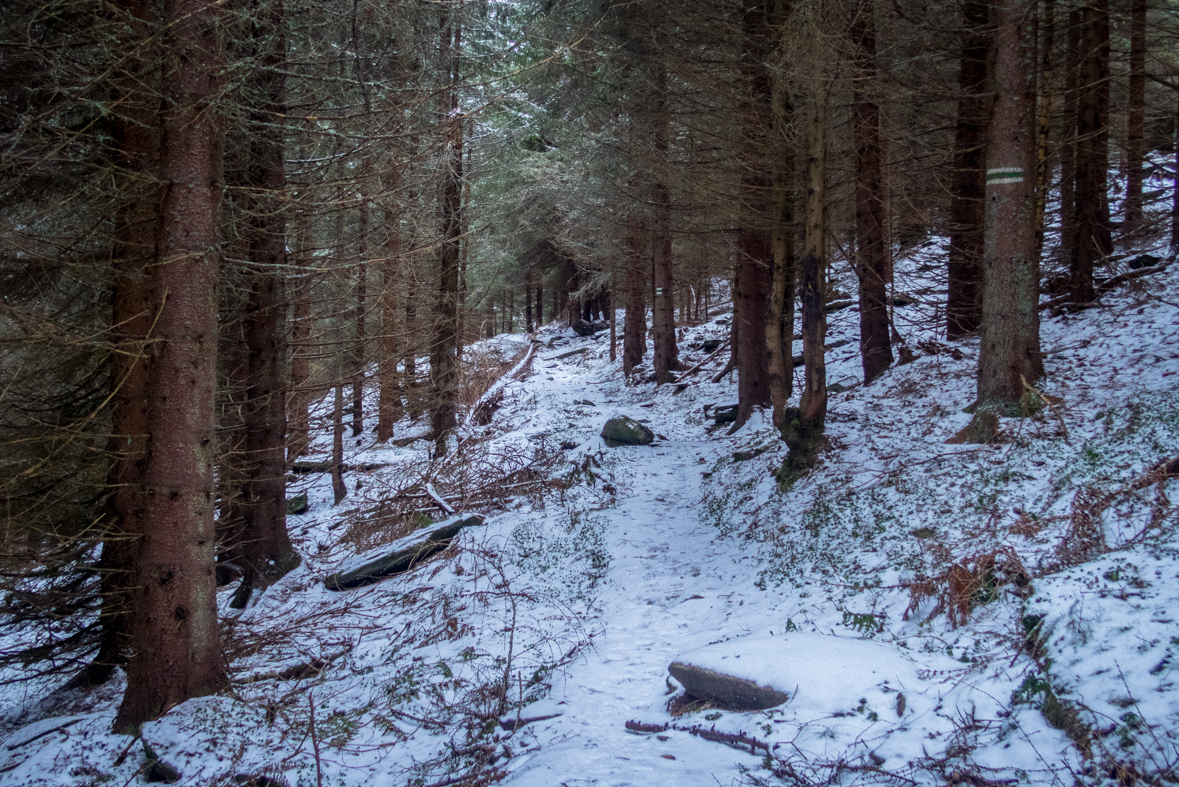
pixel 871 264
pixel 137 145
pixel 444 345
pixel 175 637
pixel 1091 221
pixel 539 298
pixel 389 407
pixel 1136 116
pixel 963 305
pixel 634 325
pixel 1009 355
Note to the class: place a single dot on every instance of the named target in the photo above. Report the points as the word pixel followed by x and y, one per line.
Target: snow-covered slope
pixel 1029 583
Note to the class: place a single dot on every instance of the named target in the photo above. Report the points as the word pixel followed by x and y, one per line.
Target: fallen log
pixel 404 555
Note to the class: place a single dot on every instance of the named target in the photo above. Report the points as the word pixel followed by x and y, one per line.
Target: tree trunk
pixel 871 264
pixel 967 209
pixel 1044 126
pixel 175 637
pixel 666 359
pixel 634 325
pixel 339 488
pixel 528 326
pixel 137 145
pixel 1136 116
pixel 780 320
pixel 444 346
pixel 389 408
pixel 802 427
pixel 266 551
pixel 539 298
pixel 755 254
pixel 358 349
pixel 1009 354
pixel 299 427
pixel 1068 136
pixel 1091 212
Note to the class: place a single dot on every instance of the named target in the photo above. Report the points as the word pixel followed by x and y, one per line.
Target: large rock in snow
pixel 626 431
pixel 820 675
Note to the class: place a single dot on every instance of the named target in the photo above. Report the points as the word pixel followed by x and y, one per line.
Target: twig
pixel 315 744
pixel 437 498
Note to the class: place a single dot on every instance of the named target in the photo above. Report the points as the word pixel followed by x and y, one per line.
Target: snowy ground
pixel 599 566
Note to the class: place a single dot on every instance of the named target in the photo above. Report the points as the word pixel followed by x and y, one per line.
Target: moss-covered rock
pixel 626 431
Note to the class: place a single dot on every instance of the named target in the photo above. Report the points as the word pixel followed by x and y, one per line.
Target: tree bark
pixel 137 145
pixel 1091 221
pixel 299 422
pixel 1068 136
pixel 666 358
pixel 871 264
pixel 802 427
pixel 389 407
pixel 444 345
pixel 755 253
pixel 967 209
pixel 266 551
pixel 174 629
pixel 1044 125
pixel 1009 354
pixel 634 325
pixel 1136 116
pixel 359 356
pixel 339 488
pixel 780 320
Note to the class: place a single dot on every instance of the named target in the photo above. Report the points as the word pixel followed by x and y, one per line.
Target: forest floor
pixel 1030 584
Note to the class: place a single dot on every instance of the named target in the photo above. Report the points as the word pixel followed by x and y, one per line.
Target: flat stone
pixel 726 690
pixel 820 675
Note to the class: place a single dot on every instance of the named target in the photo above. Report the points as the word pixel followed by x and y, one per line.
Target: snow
pixel 597 570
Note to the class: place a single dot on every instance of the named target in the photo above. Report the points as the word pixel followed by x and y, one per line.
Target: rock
pixel 626 431
pixel 157 770
pixel 900 301
pixel 405 442
pixel 725 690
pixel 838 344
pixel 835 388
pixel 568 445
pixel 745 456
pixel 583 328
pixel 711 345
pixel 403 555
pixel 1143 261
pixel 820 675
pixel 298 504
